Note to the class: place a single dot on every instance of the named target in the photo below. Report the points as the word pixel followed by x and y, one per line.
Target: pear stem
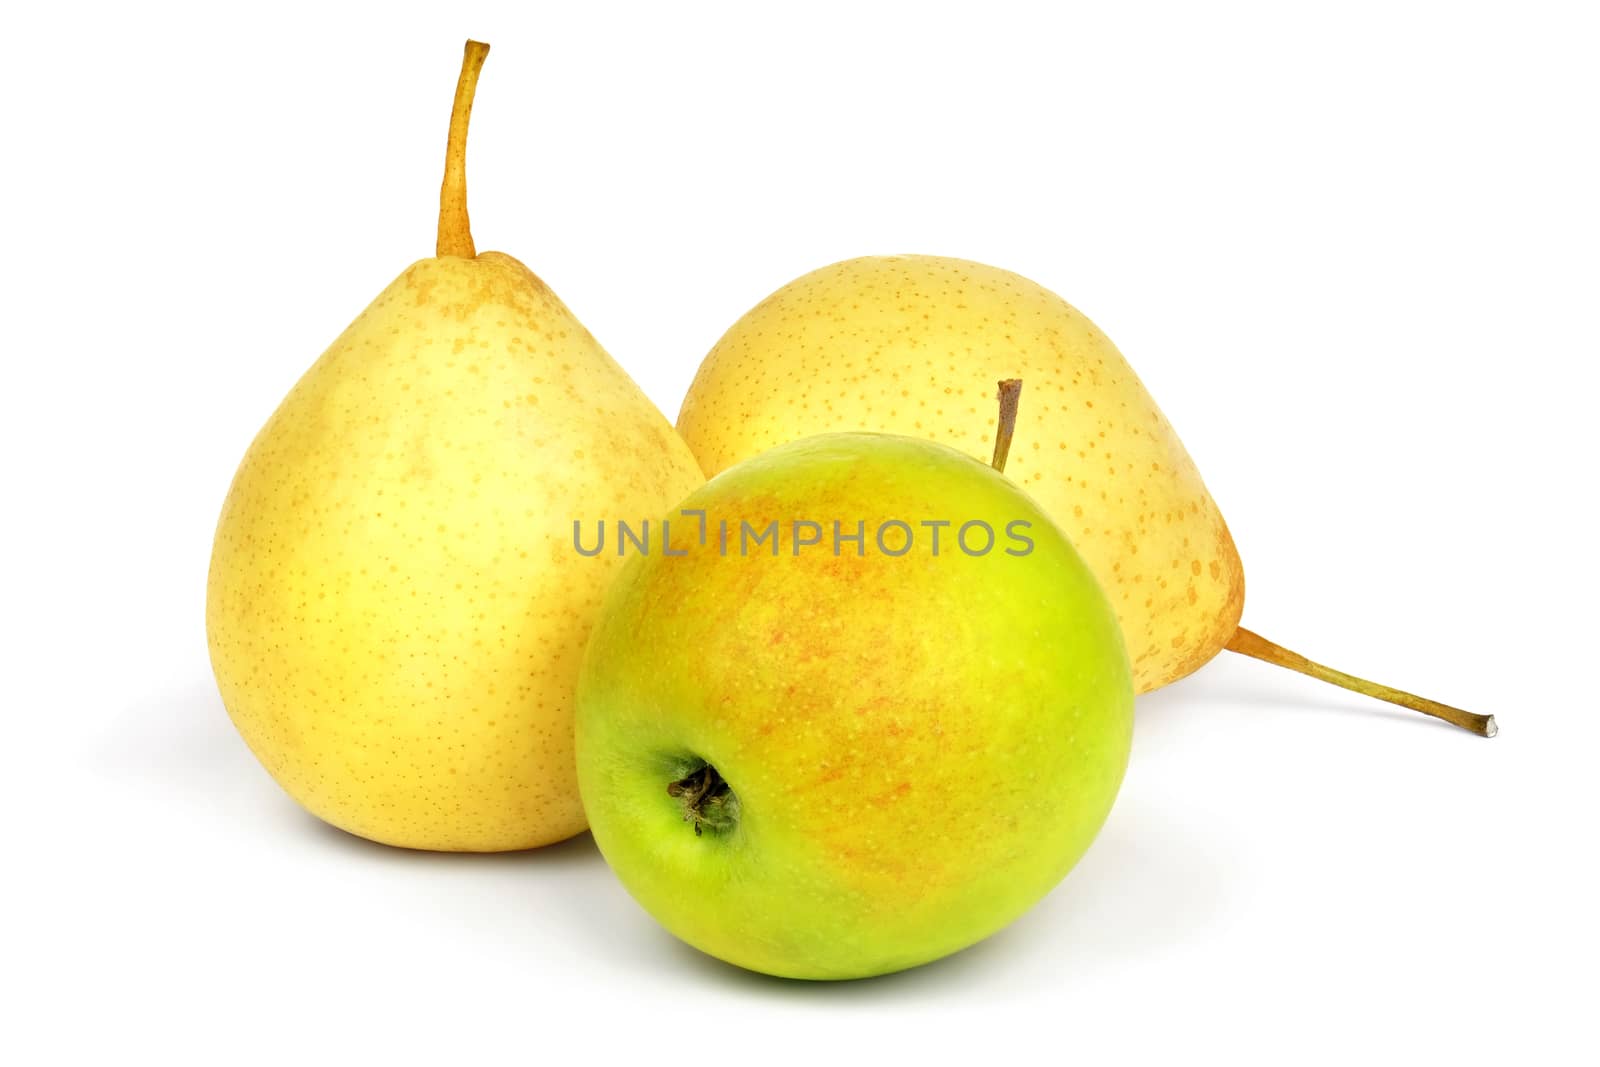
pixel 455 229
pixel 1010 396
pixel 1257 647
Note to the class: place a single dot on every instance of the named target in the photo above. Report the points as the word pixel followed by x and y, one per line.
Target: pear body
pixel 914 345
pixel 395 610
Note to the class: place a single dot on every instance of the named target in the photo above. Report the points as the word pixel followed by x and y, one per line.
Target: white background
pixel 1353 254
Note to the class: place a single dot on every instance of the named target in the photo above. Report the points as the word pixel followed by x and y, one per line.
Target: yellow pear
pixel 913 345
pixel 396 613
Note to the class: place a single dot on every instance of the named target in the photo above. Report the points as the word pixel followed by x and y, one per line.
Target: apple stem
pixel 455 229
pixel 1010 395
pixel 1257 647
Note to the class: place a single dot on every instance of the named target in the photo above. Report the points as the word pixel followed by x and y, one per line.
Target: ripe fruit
pixel 395 615
pixel 910 345
pixel 820 763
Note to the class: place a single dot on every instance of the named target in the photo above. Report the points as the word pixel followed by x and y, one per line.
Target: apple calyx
pixel 707 800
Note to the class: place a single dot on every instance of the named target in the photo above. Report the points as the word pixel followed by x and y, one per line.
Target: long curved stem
pixel 455 229
pixel 1255 646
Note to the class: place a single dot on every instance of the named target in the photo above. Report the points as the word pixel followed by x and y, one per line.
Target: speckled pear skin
pixel 914 345
pixel 396 612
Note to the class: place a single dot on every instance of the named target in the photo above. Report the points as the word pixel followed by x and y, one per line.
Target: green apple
pixel 859 706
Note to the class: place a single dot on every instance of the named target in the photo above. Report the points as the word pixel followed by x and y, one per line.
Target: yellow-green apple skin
pixel 918 747
pixel 395 612
pixel 913 345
